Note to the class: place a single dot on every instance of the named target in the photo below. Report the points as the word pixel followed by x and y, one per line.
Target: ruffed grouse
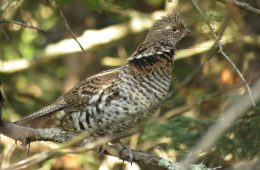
pixel 118 99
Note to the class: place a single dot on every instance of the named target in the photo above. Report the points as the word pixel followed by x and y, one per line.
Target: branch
pixel 232 113
pixel 27 135
pixel 68 27
pixel 1 101
pixel 5 21
pixel 217 38
pixel 247 7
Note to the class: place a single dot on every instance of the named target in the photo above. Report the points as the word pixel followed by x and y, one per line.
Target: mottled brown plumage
pixel 119 99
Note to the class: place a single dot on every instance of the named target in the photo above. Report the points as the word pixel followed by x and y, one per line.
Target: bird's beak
pixel 187 31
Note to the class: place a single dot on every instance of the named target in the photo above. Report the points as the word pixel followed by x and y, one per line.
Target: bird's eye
pixel 175 30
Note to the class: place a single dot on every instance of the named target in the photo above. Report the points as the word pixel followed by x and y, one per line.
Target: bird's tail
pixel 47 117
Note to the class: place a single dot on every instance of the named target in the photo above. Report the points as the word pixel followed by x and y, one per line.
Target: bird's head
pixel 168 30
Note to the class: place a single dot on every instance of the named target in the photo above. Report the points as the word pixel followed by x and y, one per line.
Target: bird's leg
pixel 101 150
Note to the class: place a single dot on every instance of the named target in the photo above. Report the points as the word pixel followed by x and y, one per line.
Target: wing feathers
pixel 77 99
pixel 34 120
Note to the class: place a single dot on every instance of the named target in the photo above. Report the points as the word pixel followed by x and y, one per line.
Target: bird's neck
pixel 150 57
pixel 153 49
pixel 150 68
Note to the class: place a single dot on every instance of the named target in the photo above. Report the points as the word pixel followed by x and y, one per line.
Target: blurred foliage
pixel 206 93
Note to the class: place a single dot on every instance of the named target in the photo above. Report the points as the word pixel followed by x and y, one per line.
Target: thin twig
pixel 172 113
pixel 68 27
pixel 1 101
pixel 6 36
pixel 221 51
pixel 209 55
pixel 247 7
pixel 5 21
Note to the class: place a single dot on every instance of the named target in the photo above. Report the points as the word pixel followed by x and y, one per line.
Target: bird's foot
pixel 127 155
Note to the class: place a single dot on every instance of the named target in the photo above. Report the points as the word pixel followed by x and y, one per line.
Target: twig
pixel 5 21
pixel 247 7
pixel 209 55
pixel 68 27
pixel 221 51
pixel 1 101
pixel 6 36
pixel 172 113
pixel 233 112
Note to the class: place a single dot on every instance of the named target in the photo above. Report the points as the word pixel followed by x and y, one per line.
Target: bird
pixel 116 100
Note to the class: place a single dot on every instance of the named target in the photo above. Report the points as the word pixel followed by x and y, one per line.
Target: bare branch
pixel 172 113
pixel 247 7
pixel 209 55
pixel 217 38
pixel 26 135
pixel 1 101
pixel 5 21
pixel 68 27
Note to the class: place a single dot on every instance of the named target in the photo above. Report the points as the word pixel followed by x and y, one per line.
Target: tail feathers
pixel 45 118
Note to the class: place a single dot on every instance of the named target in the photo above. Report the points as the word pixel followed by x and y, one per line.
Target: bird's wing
pixel 88 92
pixel 78 98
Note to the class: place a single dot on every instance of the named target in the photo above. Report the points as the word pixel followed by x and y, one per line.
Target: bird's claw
pixel 130 154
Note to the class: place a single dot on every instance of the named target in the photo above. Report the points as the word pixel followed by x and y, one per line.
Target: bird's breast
pixel 130 100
